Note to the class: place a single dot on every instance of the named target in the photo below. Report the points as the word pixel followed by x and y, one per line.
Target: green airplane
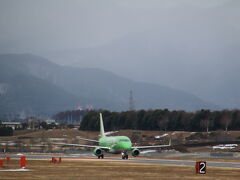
pixel 113 144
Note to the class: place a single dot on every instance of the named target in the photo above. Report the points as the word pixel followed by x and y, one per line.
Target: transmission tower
pixel 131 102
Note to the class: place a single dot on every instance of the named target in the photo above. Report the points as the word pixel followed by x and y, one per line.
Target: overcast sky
pixel 28 25
pixel 185 44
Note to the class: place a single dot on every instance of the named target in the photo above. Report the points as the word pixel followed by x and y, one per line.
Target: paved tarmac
pixel 140 160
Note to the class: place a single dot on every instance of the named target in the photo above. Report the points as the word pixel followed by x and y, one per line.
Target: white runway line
pixel 21 169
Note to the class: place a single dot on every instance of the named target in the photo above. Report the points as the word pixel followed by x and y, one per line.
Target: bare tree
pixel 163 123
pixel 226 121
pixel 205 123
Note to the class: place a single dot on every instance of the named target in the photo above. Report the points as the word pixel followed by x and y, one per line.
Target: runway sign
pixel 201 167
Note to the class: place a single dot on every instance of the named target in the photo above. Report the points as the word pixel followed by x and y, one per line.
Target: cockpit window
pixel 124 140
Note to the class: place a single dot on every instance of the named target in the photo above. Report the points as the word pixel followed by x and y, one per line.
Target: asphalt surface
pixel 140 160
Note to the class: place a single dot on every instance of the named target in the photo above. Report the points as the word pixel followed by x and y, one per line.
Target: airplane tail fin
pixel 170 142
pixel 102 133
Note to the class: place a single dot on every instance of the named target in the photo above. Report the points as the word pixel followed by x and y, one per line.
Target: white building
pixel 13 125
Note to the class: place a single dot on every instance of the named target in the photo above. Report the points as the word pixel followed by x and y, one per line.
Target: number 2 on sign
pixel 202 168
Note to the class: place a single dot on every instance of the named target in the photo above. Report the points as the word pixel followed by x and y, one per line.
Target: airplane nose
pixel 128 145
pixel 125 145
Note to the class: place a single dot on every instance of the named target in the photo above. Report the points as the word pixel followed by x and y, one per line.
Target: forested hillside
pixel 20 91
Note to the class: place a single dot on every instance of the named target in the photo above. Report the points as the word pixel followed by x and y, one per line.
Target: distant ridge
pixel 34 84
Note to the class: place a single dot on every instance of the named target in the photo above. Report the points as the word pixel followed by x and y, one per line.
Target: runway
pixel 139 160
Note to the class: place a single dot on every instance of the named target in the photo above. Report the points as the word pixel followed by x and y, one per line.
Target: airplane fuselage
pixel 117 144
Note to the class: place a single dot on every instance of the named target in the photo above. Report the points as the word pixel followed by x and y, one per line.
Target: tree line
pixel 165 120
pixel 5 131
pixel 70 116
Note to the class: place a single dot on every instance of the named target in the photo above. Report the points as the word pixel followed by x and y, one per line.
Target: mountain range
pixel 34 84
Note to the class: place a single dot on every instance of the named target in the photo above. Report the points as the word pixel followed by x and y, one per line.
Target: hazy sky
pixel 193 45
pixel 29 25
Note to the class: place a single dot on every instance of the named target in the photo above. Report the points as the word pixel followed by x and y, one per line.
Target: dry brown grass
pixel 42 169
pixel 71 133
pixel 31 137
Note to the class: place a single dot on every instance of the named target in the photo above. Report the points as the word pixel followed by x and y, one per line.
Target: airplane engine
pixel 135 152
pixel 98 152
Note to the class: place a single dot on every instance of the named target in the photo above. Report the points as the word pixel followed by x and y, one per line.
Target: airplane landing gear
pixel 101 156
pixel 124 155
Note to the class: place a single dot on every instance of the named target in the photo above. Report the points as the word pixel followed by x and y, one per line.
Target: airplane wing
pixel 111 132
pixel 85 139
pixel 149 147
pixel 83 145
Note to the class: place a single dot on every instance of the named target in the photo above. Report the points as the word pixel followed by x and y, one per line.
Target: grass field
pixel 67 169
pixel 30 140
